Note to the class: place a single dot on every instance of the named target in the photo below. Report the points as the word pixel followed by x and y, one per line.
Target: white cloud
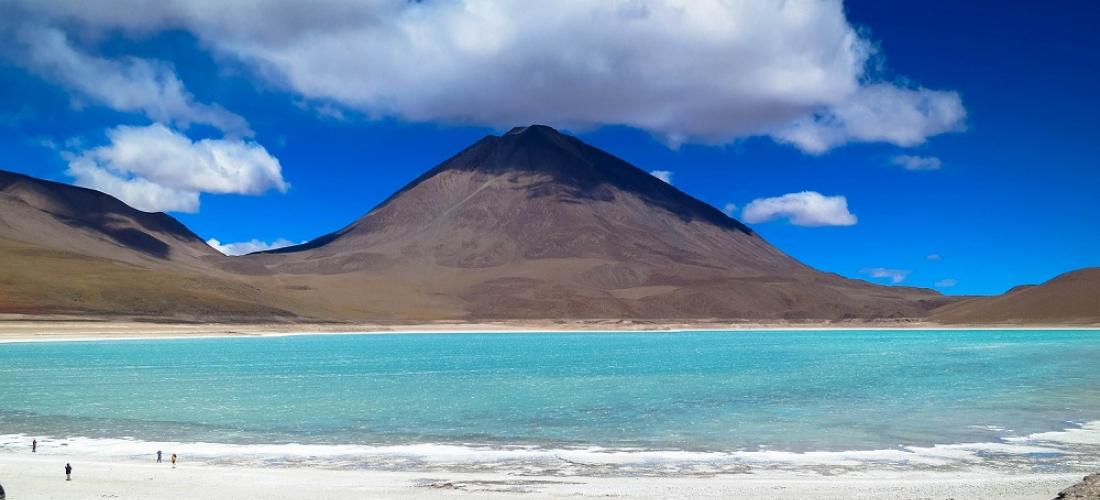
pixel 729 209
pixel 910 162
pixel 706 71
pixel 894 275
pixel 946 283
pixel 135 191
pixel 807 208
pixel 664 175
pixel 157 169
pixel 934 256
pixel 129 84
pixel 878 113
pixel 247 247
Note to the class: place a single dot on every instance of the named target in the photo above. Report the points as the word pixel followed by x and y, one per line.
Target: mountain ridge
pixel 531 224
pixel 71 250
pixel 35 211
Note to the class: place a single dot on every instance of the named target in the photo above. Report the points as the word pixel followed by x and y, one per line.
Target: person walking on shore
pixel 68 472
pixel 158 456
pixel 34 446
pixel 173 460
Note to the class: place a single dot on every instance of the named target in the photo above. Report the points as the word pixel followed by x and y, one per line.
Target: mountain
pixel 531 224
pixel 71 250
pixel 92 223
pixel 1071 298
pixel 538 224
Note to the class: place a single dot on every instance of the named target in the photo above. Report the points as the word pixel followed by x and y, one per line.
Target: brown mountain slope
pixel 537 224
pixel 1071 298
pixel 40 280
pixel 70 250
pixel 88 222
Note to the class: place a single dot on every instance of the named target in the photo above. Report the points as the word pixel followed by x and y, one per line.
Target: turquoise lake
pixel 689 395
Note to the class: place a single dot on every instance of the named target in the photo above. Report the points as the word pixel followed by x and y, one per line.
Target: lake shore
pixel 28 476
pixel 23 328
pixel 102 473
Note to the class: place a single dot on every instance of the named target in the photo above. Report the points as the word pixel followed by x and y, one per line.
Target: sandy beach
pixel 22 328
pixel 42 477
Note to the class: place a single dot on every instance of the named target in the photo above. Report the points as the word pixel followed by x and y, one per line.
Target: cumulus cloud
pixel 664 175
pixel 910 162
pixel 894 275
pixel 946 283
pixel 878 113
pixel 707 71
pixel 155 168
pixel 247 247
pixel 807 208
pixel 137 192
pixel 129 84
pixel 934 256
pixel 729 209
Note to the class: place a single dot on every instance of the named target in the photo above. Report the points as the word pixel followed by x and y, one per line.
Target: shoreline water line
pixel 259 334
pixel 1071 450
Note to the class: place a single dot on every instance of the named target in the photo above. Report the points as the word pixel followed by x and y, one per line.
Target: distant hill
pixel 1071 298
pixel 70 250
pixel 88 222
pixel 538 224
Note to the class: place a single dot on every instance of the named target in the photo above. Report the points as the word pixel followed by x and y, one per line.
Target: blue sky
pixel 999 120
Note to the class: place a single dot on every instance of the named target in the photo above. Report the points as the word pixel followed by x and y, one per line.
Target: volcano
pixel 538 224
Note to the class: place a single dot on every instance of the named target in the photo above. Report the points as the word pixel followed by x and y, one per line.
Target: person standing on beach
pixel 34 446
pixel 68 472
pixel 158 456
pixel 173 460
